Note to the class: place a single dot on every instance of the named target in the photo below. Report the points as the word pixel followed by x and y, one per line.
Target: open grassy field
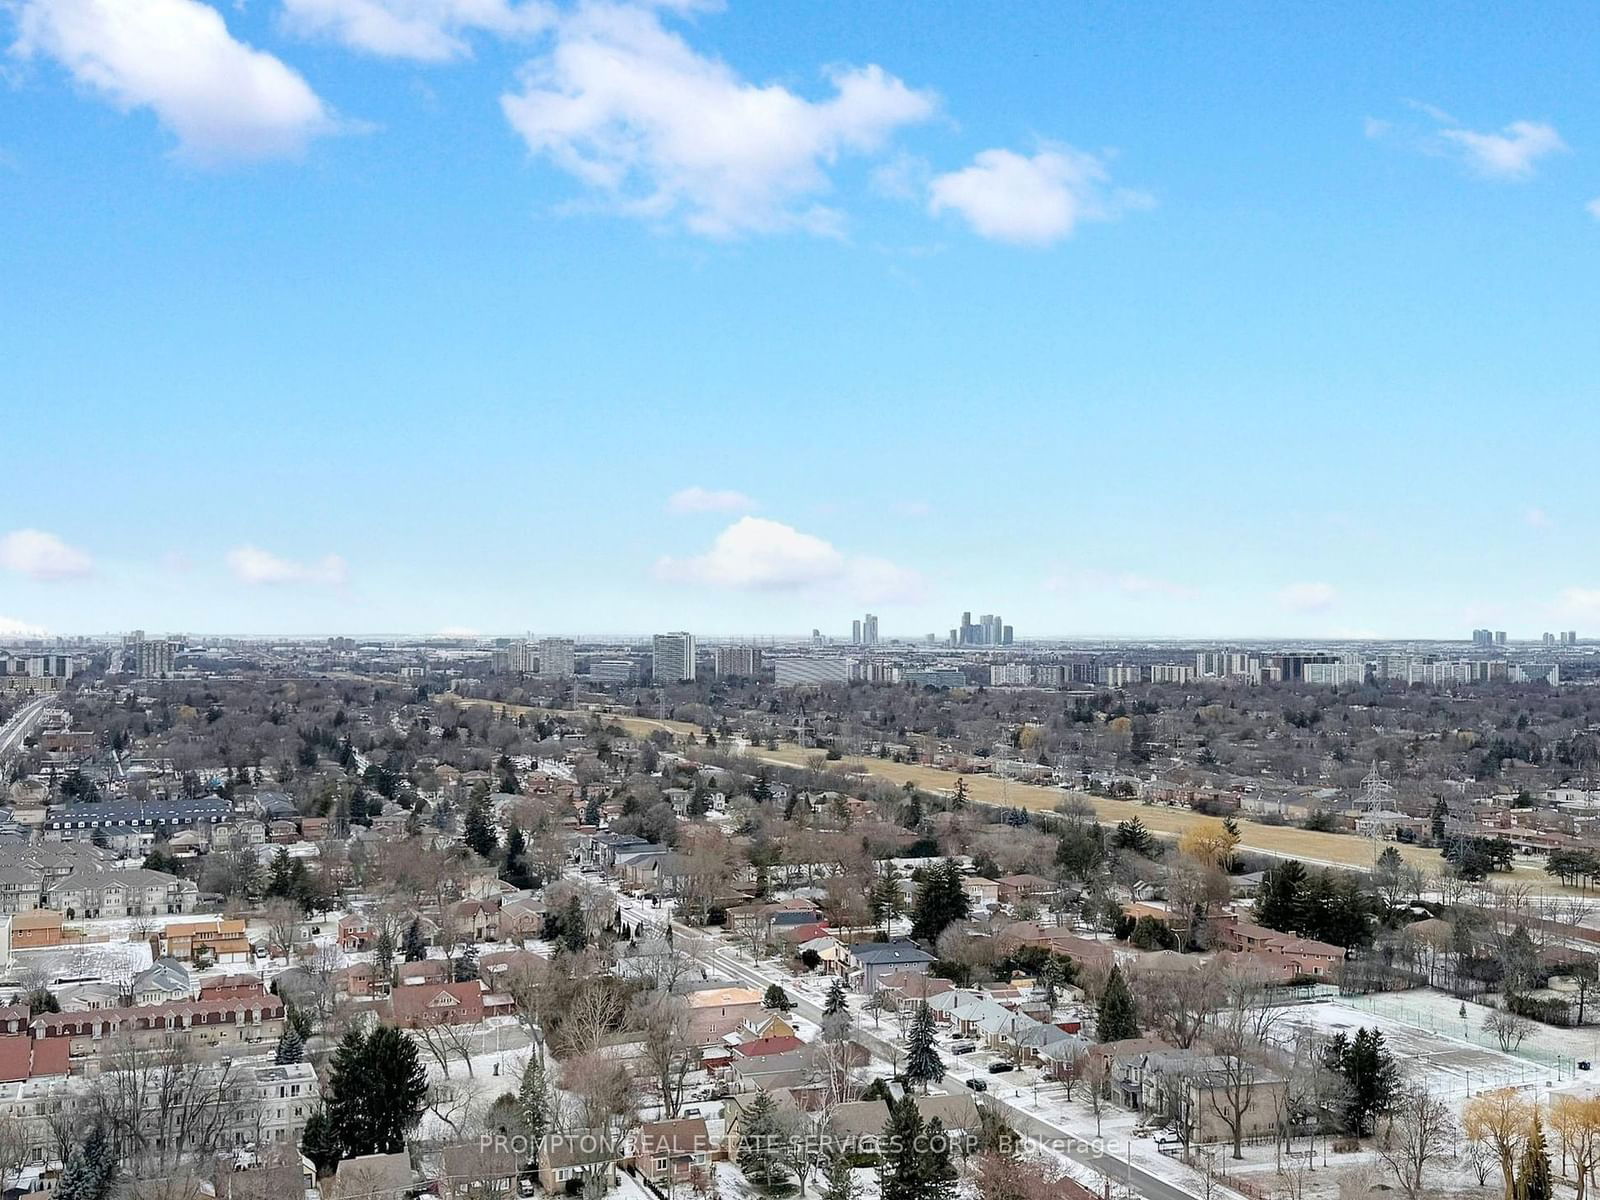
pixel 1281 841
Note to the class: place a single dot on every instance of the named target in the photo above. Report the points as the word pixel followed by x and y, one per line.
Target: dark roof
pixel 201 808
pixel 879 953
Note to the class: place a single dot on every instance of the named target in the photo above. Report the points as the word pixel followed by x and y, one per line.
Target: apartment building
pixel 131 893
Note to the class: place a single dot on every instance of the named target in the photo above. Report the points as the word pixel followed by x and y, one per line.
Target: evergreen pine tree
pixel 841 1179
pixel 760 1149
pixel 479 832
pixel 923 1064
pixel 1533 1176
pixel 776 1000
pixel 291 1048
pixel 1118 1017
pixel 835 1002
pixel 533 1098
pixel 90 1167
pixel 376 1091
pixel 941 901
pixel 958 799
pixel 572 929
pixel 415 947
pixel 383 951
pixel 936 1166
pixel 901 1152
pixel 466 967
pixel 320 1142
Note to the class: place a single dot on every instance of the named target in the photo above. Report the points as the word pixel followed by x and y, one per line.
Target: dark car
pixel 995 1068
pixel 978 1085
pixel 963 1047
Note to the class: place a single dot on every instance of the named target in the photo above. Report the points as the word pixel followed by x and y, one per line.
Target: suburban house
pixel 1195 1092
pixel 419 1006
pixel 672 1152
pixel 215 940
pixel 875 960
pixel 1021 889
pixel 163 980
pixel 566 1159
pixel 716 1012
pixel 981 891
pixel 478 1171
pixel 1284 953
pixel 370 1177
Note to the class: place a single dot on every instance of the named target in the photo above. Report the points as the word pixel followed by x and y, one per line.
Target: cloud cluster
pixel 222 99
pixel 253 565
pixel 1031 200
pixel 40 555
pixel 705 500
pixel 1510 153
pixel 756 554
pixel 418 30
pixel 667 133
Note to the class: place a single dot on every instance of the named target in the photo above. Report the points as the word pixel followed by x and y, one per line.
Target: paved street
pixel 1074 1146
pixel 20 726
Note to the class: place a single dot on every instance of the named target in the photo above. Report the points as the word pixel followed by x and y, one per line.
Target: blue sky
pixel 415 315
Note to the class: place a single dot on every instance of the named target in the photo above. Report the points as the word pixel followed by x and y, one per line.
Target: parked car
pixel 996 1068
pixel 963 1047
pixel 978 1085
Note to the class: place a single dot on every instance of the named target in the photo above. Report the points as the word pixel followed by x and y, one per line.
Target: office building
pixel 557 659
pixel 1010 675
pixel 935 677
pixel 1499 637
pixel 869 630
pixel 810 671
pixel 737 662
pixel 1549 640
pixel 153 659
pixel 1171 673
pixel 1483 637
pixel 613 670
pixel 672 658
pixel 855 633
pixel 991 630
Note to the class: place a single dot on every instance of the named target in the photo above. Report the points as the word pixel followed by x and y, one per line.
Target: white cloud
pixel 1130 584
pixel 1509 154
pixel 253 565
pixel 10 627
pixel 41 555
pixel 1031 201
pixel 1537 518
pixel 670 135
pixel 222 99
pixel 760 555
pixel 1308 597
pixel 754 552
pixel 703 500
pixel 422 30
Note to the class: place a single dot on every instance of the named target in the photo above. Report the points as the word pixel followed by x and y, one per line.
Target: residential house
pixel 716 1012
pixel 427 1004
pixel 371 1177
pixel 1022 889
pixel 478 1170
pixel 164 980
pixel 215 940
pixel 669 1153
pixel 874 960
pixel 565 1160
